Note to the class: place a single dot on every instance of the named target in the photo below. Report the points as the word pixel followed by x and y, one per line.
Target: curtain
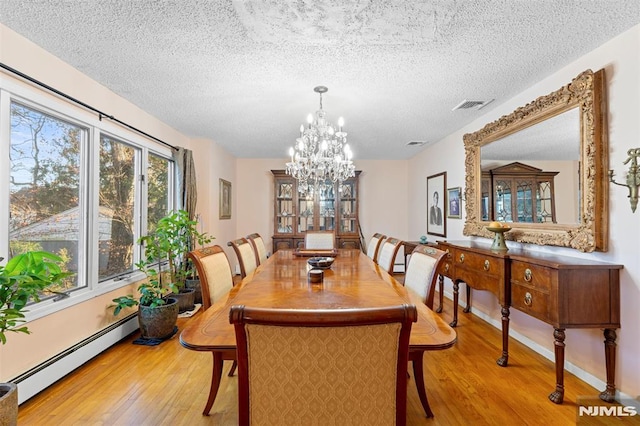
pixel 186 181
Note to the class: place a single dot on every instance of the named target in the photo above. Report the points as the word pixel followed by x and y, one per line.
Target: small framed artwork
pixel 454 203
pixel 436 198
pixel 225 199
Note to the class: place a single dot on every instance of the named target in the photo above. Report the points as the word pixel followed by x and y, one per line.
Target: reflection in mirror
pixel 543 169
pixel 534 175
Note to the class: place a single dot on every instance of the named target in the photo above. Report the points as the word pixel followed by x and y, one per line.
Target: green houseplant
pixel 170 241
pixel 22 280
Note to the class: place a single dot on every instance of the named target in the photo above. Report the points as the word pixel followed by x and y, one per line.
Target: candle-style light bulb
pixel 291 151
pixel 301 130
pixel 340 123
pixel 309 119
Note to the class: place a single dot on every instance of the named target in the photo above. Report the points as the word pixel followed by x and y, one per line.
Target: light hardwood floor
pixel 168 385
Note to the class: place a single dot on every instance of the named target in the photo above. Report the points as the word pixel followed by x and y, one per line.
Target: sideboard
pixel 562 291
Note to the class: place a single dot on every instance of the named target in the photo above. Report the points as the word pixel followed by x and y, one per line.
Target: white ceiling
pixel 242 73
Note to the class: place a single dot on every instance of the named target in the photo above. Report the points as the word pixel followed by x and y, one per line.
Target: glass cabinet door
pixel 327 206
pixel 285 212
pixel 306 212
pixel 348 207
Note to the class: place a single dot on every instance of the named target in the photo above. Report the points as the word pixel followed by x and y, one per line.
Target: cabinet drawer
pixel 479 263
pixel 446 266
pixel 531 301
pixel 538 277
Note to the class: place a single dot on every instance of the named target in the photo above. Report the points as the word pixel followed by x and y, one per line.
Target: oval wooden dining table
pixel 353 281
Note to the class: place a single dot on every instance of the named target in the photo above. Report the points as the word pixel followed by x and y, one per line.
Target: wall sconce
pixel 633 177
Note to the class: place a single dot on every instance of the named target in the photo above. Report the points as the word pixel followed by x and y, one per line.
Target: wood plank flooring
pixel 168 385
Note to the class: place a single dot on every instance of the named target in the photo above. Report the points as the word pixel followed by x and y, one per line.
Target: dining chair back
pixel 422 272
pixel 350 365
pixel 373 247
pixel 388 252
pixel 319 240
pixel 214 271
pixel 245 254
pixel 258 247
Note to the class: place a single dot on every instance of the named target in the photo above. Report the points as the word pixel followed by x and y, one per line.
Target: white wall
pixel 584 348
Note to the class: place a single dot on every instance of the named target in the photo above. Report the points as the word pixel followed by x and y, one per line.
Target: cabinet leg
pixel 456 285
pixel 467 309
pixel 504 359
pixel 440 294
pixel 558 395
pixel 609 394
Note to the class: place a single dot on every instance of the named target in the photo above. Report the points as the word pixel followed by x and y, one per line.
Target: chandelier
pixel 321 154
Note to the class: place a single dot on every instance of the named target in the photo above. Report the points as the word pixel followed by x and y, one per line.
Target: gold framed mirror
pixel 568 124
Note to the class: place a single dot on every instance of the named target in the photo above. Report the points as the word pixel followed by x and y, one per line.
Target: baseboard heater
pixel 50 371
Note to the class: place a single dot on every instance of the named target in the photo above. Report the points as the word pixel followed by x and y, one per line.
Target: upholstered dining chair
pixel 388 252
pixel 258 247
pixel 319 240
pixel 420 277
pixel 245 254
pixel 373 247
pixel 216 279
pixel 350 365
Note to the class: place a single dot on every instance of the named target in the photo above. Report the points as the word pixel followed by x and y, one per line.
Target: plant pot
pixel 186 298
pixel 8 404
pixel 195 284
pixel 158 322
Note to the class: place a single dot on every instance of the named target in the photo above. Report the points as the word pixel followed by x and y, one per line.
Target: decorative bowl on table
pixel 321 262
pixel 498 239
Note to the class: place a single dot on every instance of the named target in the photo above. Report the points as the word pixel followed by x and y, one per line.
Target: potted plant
pixel 157 302
pixel 22 280
pixel 176 235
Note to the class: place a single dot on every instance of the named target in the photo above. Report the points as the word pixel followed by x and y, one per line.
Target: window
pixel 116 215
pixel 158 178
pixel 79 186
pixel 44 189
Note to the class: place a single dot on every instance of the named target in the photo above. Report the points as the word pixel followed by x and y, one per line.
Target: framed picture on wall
pixel 225 199
pixel 454 203
pixel 436 199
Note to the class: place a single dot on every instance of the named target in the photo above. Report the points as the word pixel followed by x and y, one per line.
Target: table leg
pixel 558 395
pixel 467 309
pixel 418 376
pixel 504 359
pixel 609 394
pixel 456 285
pixel 216 376
pixel 440 294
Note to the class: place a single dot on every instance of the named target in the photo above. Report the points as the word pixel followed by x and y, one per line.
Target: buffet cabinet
pixel 562 291
pixel 329 207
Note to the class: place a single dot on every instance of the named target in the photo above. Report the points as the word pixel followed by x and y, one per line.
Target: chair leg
pixel 418 374
pixel 232 370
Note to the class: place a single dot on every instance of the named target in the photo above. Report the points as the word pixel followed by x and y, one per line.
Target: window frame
pixel 32 97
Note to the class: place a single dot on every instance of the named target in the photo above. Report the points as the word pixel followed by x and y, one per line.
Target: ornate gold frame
pixel 588 92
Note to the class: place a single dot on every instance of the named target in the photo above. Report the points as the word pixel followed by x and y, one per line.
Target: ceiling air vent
pixel 416 143
pixel 466 104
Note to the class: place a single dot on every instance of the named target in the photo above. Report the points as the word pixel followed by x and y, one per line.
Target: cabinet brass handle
pixel 527 275
pixel 486 265
pixel 528 299
pixel 446 267
pixel 461 257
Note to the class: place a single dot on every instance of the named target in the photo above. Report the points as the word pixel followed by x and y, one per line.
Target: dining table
pixel 353 280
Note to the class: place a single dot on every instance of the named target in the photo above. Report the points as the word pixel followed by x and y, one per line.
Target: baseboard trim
pixel 48 372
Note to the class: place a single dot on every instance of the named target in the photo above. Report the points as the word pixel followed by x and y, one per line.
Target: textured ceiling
pixel 242 73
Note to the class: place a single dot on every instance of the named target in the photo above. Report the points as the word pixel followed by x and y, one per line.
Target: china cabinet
pixel 518 192
pixel 330 207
